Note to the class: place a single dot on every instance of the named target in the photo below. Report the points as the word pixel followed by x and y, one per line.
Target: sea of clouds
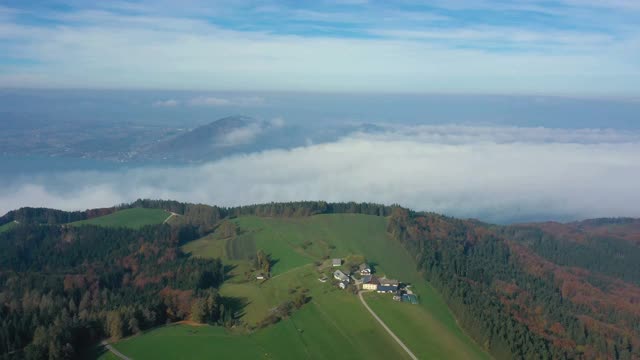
pixel 496 174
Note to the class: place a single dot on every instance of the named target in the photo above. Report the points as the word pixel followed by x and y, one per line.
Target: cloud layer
pixel 561 47
pixel 483 173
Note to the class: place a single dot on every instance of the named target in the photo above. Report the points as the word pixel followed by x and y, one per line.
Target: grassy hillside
pixel 296 243
pixel 310 333
pixel 332 326
pixel 132 218
pixel 7 226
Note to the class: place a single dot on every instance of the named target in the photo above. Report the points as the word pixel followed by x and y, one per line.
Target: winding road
pixel 386 328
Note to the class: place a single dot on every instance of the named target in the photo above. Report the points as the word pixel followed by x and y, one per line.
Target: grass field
pixel 328 328
pixel 334 324
pixel 132 218
pixel 7 226
pixel 410 323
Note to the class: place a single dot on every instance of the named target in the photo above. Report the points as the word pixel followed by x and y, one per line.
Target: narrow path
pixel 386 328
pixel 169 218
pixel 288 271
pixel 114 351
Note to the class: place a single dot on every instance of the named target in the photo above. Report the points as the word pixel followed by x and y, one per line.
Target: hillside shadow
pixel 92 352
pixel 273 262
pixel 235 304
pixel 227 269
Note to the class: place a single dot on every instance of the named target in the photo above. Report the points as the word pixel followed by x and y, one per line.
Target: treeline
pixel 29 215
pixel 511 311
pixel 64 288
pixel 602 254
pixel 274 209
pixel 205 216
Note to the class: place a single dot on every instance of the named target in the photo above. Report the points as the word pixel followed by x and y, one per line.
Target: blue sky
pixel 564 47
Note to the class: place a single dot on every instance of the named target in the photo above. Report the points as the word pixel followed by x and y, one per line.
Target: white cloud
pixel 209 101
pixel 166 103
pixel 277 122
pixel 240 136
pixel 452 134
pixel 217 101
pixel 186 53
pixel 547 174
pixel 504 35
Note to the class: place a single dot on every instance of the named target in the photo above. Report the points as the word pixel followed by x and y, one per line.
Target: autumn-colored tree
pixel 264 262
pixel 228 229
pixel 114 325
pixel 199 311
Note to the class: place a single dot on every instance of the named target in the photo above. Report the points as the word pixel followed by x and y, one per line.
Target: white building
pixel 364 269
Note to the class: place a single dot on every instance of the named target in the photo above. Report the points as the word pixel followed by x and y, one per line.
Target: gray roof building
pixel 339 275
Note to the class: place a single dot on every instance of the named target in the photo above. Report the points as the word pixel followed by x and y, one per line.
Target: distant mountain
pixel 124 142
pixel 210 141
pixel 242 134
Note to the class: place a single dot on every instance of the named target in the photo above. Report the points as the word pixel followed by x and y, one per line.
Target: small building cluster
pixel 363 277
pixel 381 285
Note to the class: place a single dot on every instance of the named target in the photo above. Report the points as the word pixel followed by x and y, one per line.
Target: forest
pixel 525 293
pixel 531 291
pixel 64 288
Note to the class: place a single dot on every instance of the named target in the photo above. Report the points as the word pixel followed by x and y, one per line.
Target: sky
pixel 562 47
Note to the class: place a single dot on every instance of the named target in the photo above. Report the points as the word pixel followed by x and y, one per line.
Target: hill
pixel 7 226
pixel 240 135
pixel 131 218
pixel 558 296
pixel 298 244
pixel 524 291
pixel 223 137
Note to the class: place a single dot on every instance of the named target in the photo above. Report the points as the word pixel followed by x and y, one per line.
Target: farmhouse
pixel 371 284
pixel 364 269
pixel 336 262
pixel 362 280
pixel 386 289
pixel 339 275
pixel 388 282
pixel 343 284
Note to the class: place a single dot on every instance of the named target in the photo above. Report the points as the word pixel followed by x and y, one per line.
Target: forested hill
pixel 526 291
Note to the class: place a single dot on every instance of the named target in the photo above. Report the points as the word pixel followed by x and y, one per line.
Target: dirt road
pixel 386 328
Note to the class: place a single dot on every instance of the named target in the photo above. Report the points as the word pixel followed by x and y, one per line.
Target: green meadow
pixel 7 226
pixel 310 333
pixel 132 218
pixel 334 324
